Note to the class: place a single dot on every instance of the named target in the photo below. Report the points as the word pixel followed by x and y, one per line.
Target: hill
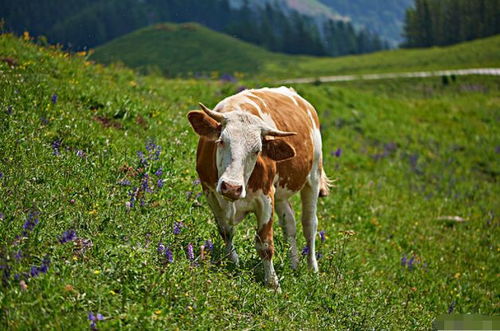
pixel 97 169
pixel 184 49
pixel 191 48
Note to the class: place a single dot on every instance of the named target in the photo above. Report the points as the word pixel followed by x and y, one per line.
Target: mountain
pixel 289 26
pixel 383 17
pixel 175 49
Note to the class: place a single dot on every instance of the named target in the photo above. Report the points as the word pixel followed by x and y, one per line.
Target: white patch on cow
pixel 253 104
pixel 249 93
pixel 317 145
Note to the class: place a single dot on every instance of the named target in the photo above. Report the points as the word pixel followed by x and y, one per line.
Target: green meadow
pixel 100 206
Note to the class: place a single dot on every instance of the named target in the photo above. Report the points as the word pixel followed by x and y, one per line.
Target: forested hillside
pixel 446 22
pixel 80 24
pixel 383 17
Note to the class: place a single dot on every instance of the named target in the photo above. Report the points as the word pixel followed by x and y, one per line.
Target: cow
pixel 256 149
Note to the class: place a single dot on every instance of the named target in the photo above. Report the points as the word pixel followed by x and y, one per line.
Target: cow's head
pixel 240 138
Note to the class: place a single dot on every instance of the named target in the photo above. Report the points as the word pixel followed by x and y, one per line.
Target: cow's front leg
pixel 226 229
pixel 264 239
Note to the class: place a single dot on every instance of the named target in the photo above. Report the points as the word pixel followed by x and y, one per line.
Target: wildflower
pixel 69 235
pixel 80 153
pixel 150 146
pixel 451 308
pixel 178 227
pixel 54 98
pixel 128 205
pixel 305 250
pixel 159 183
pixel 190 252
pixel 241 88
pixel 124 182
pixel 72 201
pixel 142 158
pixel 322 236
pixel 19 255
pixel 56 145
pixel 198 195
pixel 145 184
pixel 161 248
pixel 169 255
pixel 319 255
pixel 338 152
pixel 228 78
pixel 2 216
pixel 1 175
pixel 44 120
pixel 34 271
pixel 197 181
pixel 93 319
pixel 30 223
pixel 411 262
pixel 209 245
pixel 159 172
pixel 403 261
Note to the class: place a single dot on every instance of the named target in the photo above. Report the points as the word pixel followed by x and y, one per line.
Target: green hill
pixel 191 48
pixel 87 197
pixel 175 49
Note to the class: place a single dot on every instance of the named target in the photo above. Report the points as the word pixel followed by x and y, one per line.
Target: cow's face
pixel 240 138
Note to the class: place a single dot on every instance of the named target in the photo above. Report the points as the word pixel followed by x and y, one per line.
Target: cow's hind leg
pixel 264 240
pixel 226 230
pixel 309 197
pixel 287 223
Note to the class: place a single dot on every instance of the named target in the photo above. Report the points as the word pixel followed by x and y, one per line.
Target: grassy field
pixel 411 226
pixel 174 50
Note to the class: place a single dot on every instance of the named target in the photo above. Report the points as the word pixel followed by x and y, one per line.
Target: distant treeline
pixel 80 24
pixel 446 22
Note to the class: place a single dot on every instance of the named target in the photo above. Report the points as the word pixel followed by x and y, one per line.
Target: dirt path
pixel 419 74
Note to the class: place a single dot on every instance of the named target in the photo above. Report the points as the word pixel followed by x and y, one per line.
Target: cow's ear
pixel 204 125
pixel 277 149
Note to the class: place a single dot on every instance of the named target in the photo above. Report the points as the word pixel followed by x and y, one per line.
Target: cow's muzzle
pixel 233 192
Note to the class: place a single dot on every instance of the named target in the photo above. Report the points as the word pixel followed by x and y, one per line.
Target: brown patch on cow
pixel 262 175
pixel 204 125
pixel 277 150
pixel 265 237
pixel 206 163
pixel 108 122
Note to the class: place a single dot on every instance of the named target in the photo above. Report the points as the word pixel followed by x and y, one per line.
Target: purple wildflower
pixel 150 146
pixel 2 216
pixel 124 182
pixel 178 227
pixel 54 98
pixel 403 261
pixel 322 236
pixel 69 235
pixel 197 181
pixel 190 252
pixel 44 120
pixel 19 255
pixel 1 175
pixel 34 271
pixel 31 222
pixel 80 153
pixel 338 152
pixel 241 88
pixel 145 184
pixel 56 145
pixel 93 319
pixel 305 250
pixel 161 248
pixel 169 255
pixel 43 268
pixel 319 255
pixel 159 183
pixel 451 308
pixel 199 194
pixel 142 158
pixel 411 263
pixel 209 245
pixel 159 172
pixel 228 78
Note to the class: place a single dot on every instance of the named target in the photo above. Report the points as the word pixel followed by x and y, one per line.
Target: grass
pixel 190 49
pixel 413 152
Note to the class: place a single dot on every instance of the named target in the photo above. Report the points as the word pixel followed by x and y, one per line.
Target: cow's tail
pixel 324 184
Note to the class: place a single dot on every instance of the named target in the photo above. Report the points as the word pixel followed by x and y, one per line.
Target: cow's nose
pixel 231 191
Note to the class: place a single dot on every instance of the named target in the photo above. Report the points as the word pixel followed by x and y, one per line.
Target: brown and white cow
pixel 256 149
